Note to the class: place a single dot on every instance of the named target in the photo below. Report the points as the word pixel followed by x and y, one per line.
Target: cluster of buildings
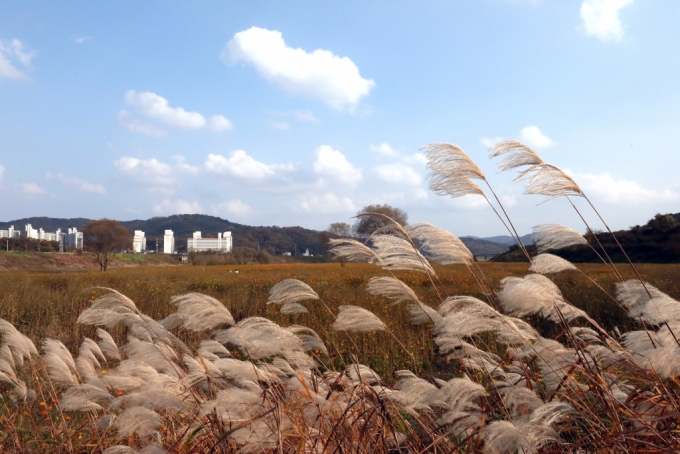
pixel 71 239
pixel 221 244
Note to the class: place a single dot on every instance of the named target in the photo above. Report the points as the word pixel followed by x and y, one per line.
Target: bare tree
pixel 365 225
pixel 103 238
pixel 340 229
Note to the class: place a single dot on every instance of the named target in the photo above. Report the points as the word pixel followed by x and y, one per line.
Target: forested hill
pixel 658 241
pixel 275 240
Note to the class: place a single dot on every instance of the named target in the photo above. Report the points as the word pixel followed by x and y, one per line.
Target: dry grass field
pixel 47 305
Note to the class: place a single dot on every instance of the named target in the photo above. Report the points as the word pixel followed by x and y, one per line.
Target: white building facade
pixel 139 242
pixel 73 239
pixel 168 242
pixel 221 244
pixel 10 233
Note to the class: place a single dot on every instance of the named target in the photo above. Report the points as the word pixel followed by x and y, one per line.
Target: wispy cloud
pixel 13 56
pixel 601 18
pixel 77 183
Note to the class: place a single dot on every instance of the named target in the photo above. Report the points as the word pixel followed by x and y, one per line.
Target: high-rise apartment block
pixel 139 242
pixel 222 244
pixel 168 242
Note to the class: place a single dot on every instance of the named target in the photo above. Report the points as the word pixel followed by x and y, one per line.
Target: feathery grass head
pixel 549 180
pixel 556 236
pixel 519 155
pixel 452 170
pixel 291 291
pixel 548 263
pixel 352 250
pixel 357 319
pixel 392 288
pixel 396 253
pixel 197 312
pixel 658 309
pixel 21 346
pixel 439 245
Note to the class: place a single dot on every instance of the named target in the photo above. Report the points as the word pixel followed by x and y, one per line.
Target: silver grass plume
pixel 84 397
pixel 358 373
pixel 655 351
pixel 396 253
pixel 452 170
pixel 416 394
pixel 60 364
pixel 210 349
pixel 536 294
pixel 152 448
pixel 519 155
pixel 352 250
pixel 549 180
pixel 391 288
pixel 21 346
pixel 556 236
pixel 439 245
pixel 310 340
pixel 658 309
pixel 528 436
pixel 547 263
pixel 463 411
pixel 357 319
pixel 422 313
pixel 88 359
pixel 107 345
pixel 197 312
pixel 138 421
pixel 289 293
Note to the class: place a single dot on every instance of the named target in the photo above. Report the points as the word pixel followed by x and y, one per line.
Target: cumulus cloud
pixel 384 149
pixel 398 173
pixel 327 203
pixel 13 56
pixel 489 142
pixel 233 207
pixel 239 164
pixel 32 190
pixel 158 109
pixel 79 184
pixel 620 192
pixel 133 124
pixel 150 171
pixel 533 136
pixel 219 123
pixel 416 159
pixel 330 163
pixel 319 74
pixel 178 206
pixel 601 18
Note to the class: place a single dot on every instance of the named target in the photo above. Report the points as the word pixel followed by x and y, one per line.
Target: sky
pixel 304 112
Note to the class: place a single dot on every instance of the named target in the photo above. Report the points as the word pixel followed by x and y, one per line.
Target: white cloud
pixel 398 173
pixel 149 171
pixel 319 74
pixel 384 149
pixel 157 108
pixel 509 201
pixel 154 106
pixel 601 18
pixel 178 206
pixel 333 164
pixel 620 192
pixel 82 185
pixel 416 159
pixel 489 142
pixel 282 125
pixel 13 54
pixel 133 124
pixel 327 203
pixel 32 190
pixel 241 165
pixel 218 123
pixel 534 137
pixel 304 115
pixel 2 172
pixel 230 208
pixel 81 39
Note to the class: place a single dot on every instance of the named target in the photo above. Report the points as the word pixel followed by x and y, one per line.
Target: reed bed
pixel 397 355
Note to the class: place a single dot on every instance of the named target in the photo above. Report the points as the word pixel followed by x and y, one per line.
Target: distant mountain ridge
pixel 275 240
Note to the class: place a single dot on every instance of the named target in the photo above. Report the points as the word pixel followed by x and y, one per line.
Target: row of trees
pixel 368 223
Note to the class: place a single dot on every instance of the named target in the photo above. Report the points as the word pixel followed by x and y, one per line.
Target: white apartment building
pixel 139 242
pixel 168 242
pixel 10 233
pixel 73 239
pixel 31 232
pixel 222 244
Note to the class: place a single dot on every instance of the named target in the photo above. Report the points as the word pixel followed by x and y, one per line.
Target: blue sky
pixel 302 112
